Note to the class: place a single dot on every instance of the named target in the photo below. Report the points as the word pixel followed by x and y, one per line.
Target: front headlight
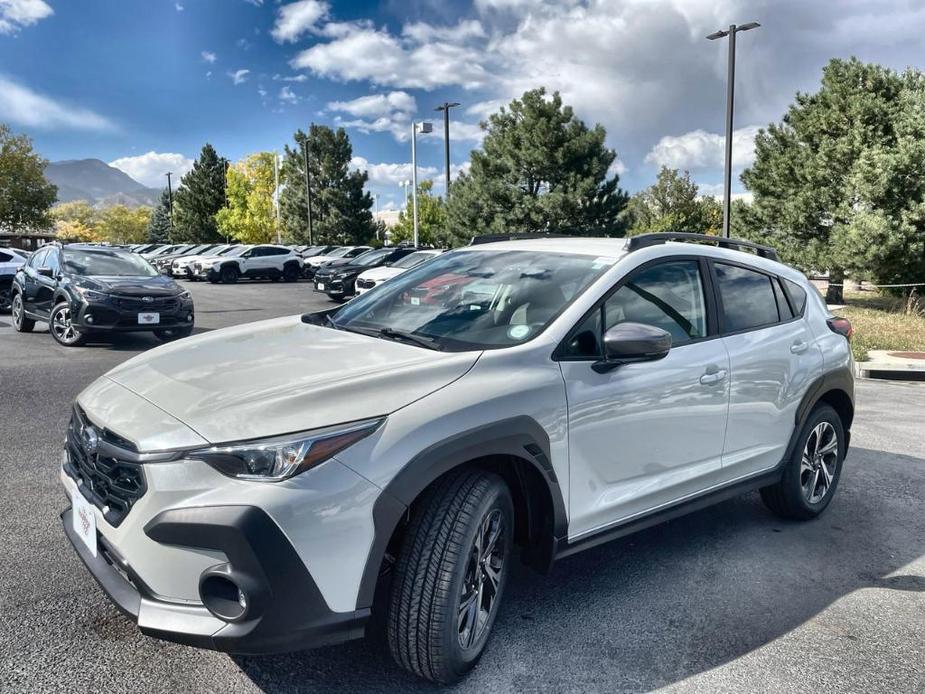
pixel 276 459
pixel 185 294
pixel 91 294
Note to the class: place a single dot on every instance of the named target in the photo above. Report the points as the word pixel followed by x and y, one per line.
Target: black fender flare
pixel 521 437
pixel 841 380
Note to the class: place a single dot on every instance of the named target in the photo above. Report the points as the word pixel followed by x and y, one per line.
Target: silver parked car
pixel 269 487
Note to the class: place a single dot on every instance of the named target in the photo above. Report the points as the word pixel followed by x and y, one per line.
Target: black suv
pixel 338 278
pixel 79 290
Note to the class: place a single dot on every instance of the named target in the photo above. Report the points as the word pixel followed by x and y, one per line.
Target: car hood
pixel 321 260
pixel 281 376
pixel 131 286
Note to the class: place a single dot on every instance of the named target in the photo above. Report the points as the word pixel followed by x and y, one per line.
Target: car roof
pixel 579 245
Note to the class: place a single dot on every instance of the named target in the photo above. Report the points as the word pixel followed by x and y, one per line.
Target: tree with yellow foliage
pixel 250 215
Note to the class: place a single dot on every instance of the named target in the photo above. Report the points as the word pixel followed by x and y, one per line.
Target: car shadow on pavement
pixel 673 601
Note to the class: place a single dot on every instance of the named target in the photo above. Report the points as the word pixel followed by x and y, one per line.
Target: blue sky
pixel 144 83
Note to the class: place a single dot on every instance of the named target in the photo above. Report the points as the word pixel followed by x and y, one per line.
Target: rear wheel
pixel 291 273
pixel 811 475
pixel 450 575
pixel 230 274
pixel 62 328
pixel 20 321
pixel 170 334
pixel 6 297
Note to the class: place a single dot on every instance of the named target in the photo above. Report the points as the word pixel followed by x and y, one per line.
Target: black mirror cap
pixel 45 271
pixel 628 343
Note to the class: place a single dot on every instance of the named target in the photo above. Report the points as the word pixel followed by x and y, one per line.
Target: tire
pixel 20 321
pixel 6 298
pixel 171 334
pixel 437 568
pixel 230 274
pixel 291 273
pixel 60 327
pixel 810 477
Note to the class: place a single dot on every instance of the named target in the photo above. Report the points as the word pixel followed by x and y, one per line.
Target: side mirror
pixel 628 343
pixel 45 271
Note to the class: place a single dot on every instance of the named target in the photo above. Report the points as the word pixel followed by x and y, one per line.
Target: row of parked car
pixel 338 271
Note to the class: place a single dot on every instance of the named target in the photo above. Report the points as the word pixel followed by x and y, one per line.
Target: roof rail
pixel 634 243
pixel 492 238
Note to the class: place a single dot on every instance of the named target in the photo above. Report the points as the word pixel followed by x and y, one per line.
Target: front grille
pixel 366 284
pixel 112 484
pixel 137 303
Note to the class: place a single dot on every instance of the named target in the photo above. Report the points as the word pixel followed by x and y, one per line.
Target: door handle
pixel 713 377
pixel 799 347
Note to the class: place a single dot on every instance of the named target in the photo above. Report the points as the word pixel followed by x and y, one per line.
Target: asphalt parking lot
pixel 727 599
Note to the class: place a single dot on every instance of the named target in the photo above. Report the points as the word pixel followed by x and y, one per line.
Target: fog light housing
pixel 189 317
pixel 88 319
pixel 223 597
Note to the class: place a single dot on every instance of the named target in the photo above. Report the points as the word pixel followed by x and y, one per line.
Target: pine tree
pixel 159 225
pixel 541 169
pixel 673 203
pixel 200 196
pixel 341 208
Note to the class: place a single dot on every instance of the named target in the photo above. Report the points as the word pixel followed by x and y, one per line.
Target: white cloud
pixel 385 174
pixel 22 106
pixel 209 56
pixel 715 190
pixel 287 95
pixel 423 32
pixel 290 78
pixel 699 149
pixel 179 7
pixel 377 104
pixel 16 14
pixel 149 169
pixel 239 76
pixel 298 18
pixel 618 168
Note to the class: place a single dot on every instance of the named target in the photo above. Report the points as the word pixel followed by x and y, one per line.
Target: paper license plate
pixel 149 318
pixel 320 287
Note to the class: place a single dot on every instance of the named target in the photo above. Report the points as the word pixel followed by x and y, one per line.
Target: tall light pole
pixel 425 128
pixel 730 100
pixel 445 107
pixel 276 191
pixel 169 199
pixel 376 199
pixel 404 188
pixel 308 189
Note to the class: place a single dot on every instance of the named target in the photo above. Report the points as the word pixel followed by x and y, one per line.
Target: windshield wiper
pixel 419 340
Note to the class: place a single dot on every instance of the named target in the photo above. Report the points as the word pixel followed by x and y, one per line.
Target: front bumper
pixel 286 611
pixel 112 316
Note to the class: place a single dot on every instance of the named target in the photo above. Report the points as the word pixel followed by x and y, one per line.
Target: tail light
pixel 842 326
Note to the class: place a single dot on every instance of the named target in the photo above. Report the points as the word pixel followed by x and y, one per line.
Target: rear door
pixel 30 281
pixel 645 435
pixel 773 359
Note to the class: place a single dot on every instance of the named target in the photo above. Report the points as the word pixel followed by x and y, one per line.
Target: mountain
pixel 97 182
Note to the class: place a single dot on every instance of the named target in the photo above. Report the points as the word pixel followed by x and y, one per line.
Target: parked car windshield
pixel 413 259
pixel 106 263
pixel 339 252
pixel 371 257
pixel 467 300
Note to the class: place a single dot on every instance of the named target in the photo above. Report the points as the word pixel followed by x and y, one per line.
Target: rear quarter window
pixel 797 296
pixel 747 296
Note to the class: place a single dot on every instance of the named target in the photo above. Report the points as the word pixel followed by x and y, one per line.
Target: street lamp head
pixel 717 35
pixel 447 106
pixel 425 127
pixel 746 27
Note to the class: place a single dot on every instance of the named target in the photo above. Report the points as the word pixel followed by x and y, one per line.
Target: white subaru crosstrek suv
pixel 265 261
pixel 271 486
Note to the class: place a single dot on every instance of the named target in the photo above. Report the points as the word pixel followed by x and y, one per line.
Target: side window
pixel 258 252
pixel 668 295
pixel 797 296
pixel 38 258
pixel 783 307
pixel 52 262
pixel 5 257
pixel 278 251
pixel 748 298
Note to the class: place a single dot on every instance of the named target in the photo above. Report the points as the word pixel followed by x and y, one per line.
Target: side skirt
pixel 564 548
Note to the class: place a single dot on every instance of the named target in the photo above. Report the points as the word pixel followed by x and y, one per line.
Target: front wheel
pixel 450 575
pixel 170 334
pixel 291 273
pixel 230 274
pixel 811 475
pixel 20 321
pixel 62 328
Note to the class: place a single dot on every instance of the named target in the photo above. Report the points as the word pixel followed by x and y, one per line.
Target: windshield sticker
pixel 518 332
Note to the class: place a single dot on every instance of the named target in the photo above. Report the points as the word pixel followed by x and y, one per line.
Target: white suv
pixel 271 486
pixel 266 261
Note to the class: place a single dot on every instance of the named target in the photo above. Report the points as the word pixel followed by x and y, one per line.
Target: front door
pixel 645 435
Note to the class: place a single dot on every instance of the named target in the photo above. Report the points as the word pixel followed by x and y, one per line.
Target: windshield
pixel 236 251
pixel 227 250
pixel 413 259
pixel 106 263
pixel 339 252
pixel 370 257
pixel 467 300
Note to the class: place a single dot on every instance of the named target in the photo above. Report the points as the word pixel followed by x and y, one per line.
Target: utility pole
pixel 308 189
pixel 170 200
pixel 276 186
pixel 425 128
pixel 730 99
pixel 445 107
pixel 404 188
pixel 225 165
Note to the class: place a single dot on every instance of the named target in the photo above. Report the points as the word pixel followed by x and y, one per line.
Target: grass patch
pixel 883 322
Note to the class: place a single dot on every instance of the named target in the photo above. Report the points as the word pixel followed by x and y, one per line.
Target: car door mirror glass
pixel 628 343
